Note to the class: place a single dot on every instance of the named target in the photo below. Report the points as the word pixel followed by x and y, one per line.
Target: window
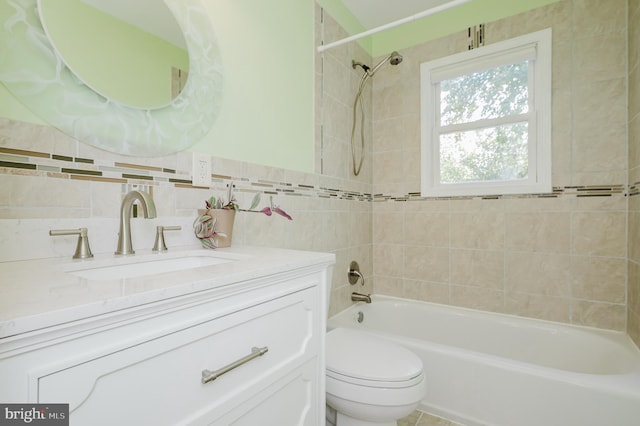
pixel 486 119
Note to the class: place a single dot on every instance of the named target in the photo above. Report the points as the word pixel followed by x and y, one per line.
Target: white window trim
pixel 509 51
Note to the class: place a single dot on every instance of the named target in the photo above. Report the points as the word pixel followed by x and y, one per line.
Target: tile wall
pixel 336 86
pixel 559 256
pixel 49 181
pixel 633 292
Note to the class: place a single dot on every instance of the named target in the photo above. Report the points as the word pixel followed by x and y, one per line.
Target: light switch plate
pixel 201 174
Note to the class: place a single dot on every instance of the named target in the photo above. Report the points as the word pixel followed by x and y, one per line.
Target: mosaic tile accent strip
pixel 58 167
pixel 573 191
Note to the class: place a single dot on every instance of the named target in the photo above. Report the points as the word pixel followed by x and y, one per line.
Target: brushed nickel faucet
pixel 354 276
pixel 359 297
pixel 83 251
pixel 148 210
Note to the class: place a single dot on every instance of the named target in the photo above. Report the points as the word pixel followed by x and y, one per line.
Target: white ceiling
pixel 152 16
pixel 373 13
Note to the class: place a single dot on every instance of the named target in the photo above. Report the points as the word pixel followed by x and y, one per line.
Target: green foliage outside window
pixel 484 136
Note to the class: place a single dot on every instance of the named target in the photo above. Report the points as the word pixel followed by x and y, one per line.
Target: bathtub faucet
pixel 359 297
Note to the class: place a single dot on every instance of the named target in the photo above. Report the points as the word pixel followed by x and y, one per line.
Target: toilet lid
pixel 358 355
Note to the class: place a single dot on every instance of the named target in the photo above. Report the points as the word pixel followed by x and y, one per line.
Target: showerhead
pixel 394 58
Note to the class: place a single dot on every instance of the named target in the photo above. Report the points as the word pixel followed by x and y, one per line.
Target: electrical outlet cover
pixel 201 174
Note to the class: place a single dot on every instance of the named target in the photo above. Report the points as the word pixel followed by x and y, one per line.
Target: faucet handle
pixel 83 251
pixel 159 244
pixel 354 273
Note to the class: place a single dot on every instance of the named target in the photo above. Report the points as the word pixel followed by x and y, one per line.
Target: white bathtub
pixel 492 369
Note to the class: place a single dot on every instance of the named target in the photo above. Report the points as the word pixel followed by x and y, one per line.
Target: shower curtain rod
pixel 394 24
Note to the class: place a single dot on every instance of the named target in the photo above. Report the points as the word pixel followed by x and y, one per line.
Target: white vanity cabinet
pixel 145 365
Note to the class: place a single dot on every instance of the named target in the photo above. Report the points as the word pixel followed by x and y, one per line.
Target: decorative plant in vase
pixel 214 225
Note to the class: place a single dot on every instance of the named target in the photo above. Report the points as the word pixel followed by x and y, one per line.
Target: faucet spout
pixel 359 297
pixel 148 210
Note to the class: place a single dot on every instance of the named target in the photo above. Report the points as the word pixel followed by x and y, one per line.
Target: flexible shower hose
pixel 358 100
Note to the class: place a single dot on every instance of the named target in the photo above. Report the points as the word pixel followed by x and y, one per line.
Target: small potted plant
pixel 214 225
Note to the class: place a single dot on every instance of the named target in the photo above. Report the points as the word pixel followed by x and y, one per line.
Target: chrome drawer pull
pixel 209 376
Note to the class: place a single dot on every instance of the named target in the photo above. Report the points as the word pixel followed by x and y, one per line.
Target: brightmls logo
pixel 36 414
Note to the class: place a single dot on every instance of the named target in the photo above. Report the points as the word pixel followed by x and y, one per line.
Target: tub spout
pixel 359 297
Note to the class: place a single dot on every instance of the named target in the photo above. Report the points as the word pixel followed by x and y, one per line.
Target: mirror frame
pixel 35 74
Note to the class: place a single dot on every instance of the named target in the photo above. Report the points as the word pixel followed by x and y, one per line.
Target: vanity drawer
pixel 159 381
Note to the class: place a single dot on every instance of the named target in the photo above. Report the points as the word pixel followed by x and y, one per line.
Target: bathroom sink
pixel 133 267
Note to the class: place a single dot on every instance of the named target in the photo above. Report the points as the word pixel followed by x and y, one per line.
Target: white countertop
pixel 35 294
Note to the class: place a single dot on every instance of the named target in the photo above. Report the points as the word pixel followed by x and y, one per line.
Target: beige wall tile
pixel 537 273
pixel 530 205
pixel 481 268
pixel 427 229
pixel 598 234
pixel 598 16
pixel 561 80
pixel 600 58
pixel 426 291
pixel 634 35
pixel 477 230
pixel 633 286
pixel 429 205
pixel 397 133
pixel 634 144
pixel 548 308
pixel 107 197
pixel 544 231
pixel 634 97
pixel 426 263
pixel 388 260
pixel 600 279
pixel 633 283
pixel 612 203
pixel 385 166
pixel 477 298
pixel 42 193
pixel 633 327
pixel 388 227
pixel 562 136
pixel 476 205
pixel 389 286
pixel 359 228
pixel 601 315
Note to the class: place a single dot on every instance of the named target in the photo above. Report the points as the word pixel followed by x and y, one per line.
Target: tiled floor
pixel 418 418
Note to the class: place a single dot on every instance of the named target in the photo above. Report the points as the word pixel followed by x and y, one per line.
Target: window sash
pixel 477 63
pixel 523 48
pixel 532 157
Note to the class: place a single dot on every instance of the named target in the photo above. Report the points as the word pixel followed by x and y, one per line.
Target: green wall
pixel 431 27
pixel 114 58
pixel 268 53
pixel 267 111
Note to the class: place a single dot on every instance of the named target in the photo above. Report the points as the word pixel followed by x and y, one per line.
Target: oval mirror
pixel 131 52
pixel 34 72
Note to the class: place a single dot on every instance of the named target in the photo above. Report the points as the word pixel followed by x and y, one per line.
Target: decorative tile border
pixel 16 161
pixel 573 191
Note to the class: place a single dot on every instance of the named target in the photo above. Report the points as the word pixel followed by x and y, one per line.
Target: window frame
pixel 537 48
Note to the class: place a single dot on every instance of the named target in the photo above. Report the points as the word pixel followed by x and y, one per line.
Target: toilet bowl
pixel 371 381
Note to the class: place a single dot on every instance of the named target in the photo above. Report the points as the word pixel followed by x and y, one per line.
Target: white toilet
pixel 371 381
